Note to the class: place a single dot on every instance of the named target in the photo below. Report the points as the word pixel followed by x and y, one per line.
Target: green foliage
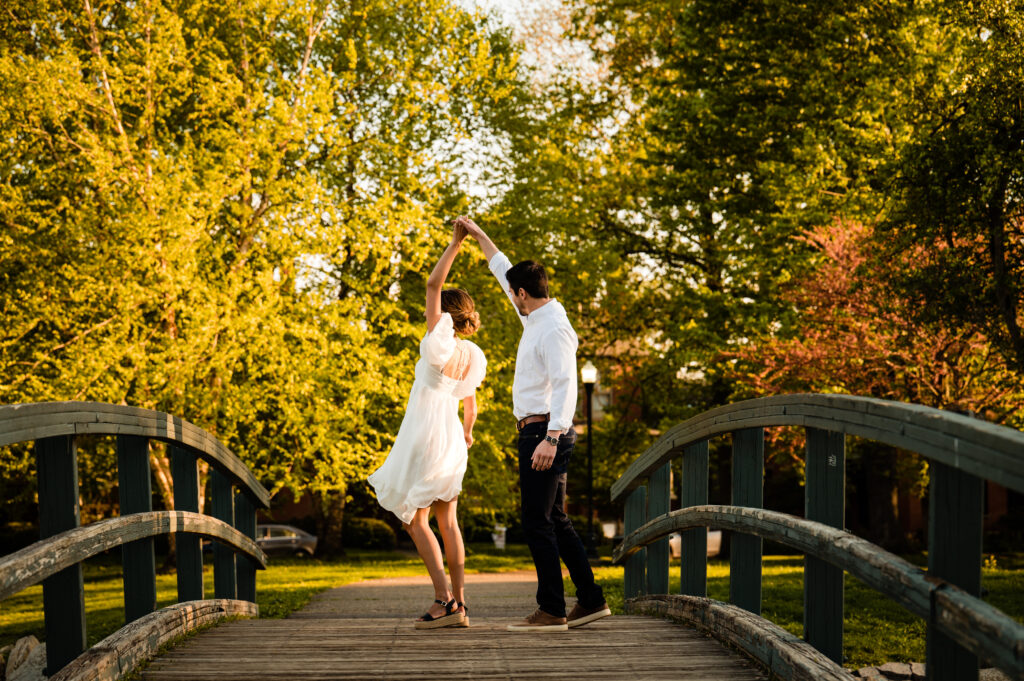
pixel 960 208
pixel 223 213
pixel 368 533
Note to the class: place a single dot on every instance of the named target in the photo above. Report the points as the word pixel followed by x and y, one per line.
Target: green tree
pixel 222 212
pixel 960 208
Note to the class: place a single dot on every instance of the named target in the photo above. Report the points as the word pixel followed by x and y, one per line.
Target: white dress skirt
pixel 428 459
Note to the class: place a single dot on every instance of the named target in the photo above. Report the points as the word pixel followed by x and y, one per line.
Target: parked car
pixel 675 543
pixel 278 540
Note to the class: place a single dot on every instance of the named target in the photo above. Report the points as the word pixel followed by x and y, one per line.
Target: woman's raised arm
pixel 435 282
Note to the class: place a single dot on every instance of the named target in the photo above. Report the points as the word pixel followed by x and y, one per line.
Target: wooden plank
pixel 118 654
pixel 188 550
pixel 346 636
pixel 660 491
pixel 747 491
pixel 222 507
pixel 245 522
pixel 970 622
pixel 954 554
pixel 635 579
pixel 694 560
pixel 785 655
pixel 63 590
pixel 824 495
pixel 34 563
pixel 135 492
pixel 27 422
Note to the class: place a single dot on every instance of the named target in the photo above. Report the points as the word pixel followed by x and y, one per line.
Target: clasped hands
pixel 463 226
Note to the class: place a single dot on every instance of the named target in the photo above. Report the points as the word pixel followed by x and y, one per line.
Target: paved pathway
pixel 364 631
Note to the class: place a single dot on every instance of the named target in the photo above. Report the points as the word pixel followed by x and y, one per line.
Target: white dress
pixel 429 456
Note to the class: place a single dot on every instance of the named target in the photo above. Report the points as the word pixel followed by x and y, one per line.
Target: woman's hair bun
pixel 459 304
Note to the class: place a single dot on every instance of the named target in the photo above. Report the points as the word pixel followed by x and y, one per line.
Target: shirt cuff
pixel 560 425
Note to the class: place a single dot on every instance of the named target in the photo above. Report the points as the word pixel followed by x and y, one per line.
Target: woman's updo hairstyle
pixel 460 306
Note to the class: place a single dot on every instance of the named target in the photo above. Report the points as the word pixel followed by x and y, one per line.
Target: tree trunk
pixel 881 488
pixel 161 465
pixel 160 462
pixel 329 512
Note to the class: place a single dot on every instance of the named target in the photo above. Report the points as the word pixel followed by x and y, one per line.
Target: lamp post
pixel 589 375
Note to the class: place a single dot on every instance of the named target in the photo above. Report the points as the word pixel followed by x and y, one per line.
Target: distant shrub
pixel 477 526
pixel 15 536
pixel 367 533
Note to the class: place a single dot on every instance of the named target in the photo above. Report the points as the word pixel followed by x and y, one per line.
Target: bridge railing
pixel 64 543
pixel 962 453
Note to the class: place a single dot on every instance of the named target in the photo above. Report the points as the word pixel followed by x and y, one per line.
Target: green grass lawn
pixel 876 631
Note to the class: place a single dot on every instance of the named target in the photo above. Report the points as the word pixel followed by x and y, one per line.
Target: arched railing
pixel 962 453
pixel 56 559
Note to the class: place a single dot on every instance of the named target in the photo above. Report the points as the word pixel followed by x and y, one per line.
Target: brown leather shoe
pixel 540 621
pixel 580 615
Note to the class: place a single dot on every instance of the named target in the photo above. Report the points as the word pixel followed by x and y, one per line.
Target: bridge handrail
pixel 139 641
pixel 29 422
pixel 55 560
pixel 978 447
pixel 34 563
pixel 973 623
pixel 962 453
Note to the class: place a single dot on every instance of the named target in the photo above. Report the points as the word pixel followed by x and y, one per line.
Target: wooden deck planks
pixel 338 637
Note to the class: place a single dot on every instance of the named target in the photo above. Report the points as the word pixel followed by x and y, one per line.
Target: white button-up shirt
pixel 545 380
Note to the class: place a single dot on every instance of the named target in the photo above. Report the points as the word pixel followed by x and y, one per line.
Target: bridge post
pixel 135 490
pixel 955 507
pixel 187 547
pixel 747 490
pixel 824 502
pixel 636 515
pixel 63 593
pixel 222 507
pixel 658 503
pixel 694 560
pixel 245 522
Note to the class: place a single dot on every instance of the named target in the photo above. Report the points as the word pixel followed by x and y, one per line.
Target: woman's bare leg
pixel 454 548
pixel 430 552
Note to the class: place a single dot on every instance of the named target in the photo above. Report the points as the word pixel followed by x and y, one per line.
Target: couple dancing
pixel 424 469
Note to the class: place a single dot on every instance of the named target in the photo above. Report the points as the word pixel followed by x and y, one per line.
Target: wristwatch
pixel 551 440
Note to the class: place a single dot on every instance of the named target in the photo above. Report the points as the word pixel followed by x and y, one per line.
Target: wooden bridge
pixel 363 631
pixel 368 641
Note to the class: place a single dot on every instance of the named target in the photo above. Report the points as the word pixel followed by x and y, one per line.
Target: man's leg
pixel 538 490
pixel 570 546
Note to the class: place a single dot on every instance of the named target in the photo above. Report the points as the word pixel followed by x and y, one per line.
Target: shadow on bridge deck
pixel 364 631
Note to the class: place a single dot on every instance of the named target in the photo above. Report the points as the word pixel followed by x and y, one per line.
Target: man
pixel 543 401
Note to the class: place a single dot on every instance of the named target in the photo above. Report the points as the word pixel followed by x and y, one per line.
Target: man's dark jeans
pixel 549 532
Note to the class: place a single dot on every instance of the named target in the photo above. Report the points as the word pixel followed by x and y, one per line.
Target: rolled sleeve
pixel 500 265
pixel 560 364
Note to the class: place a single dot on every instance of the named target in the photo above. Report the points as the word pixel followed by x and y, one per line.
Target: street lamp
pixel 589 375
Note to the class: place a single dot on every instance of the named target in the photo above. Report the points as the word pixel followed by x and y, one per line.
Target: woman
pixel 423 471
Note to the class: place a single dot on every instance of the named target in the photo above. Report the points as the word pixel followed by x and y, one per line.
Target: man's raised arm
pixel 485 241
pixel 496 260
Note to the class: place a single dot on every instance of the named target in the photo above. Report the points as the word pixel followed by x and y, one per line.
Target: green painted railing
pixel 56 559
pixel 962 453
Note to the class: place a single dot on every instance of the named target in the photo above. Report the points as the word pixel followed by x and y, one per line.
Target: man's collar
pixel 546 310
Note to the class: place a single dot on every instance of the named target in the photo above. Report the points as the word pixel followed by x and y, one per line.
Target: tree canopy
pixel 228 213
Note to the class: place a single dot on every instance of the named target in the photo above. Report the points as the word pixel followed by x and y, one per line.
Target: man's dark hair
pixel 528 275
